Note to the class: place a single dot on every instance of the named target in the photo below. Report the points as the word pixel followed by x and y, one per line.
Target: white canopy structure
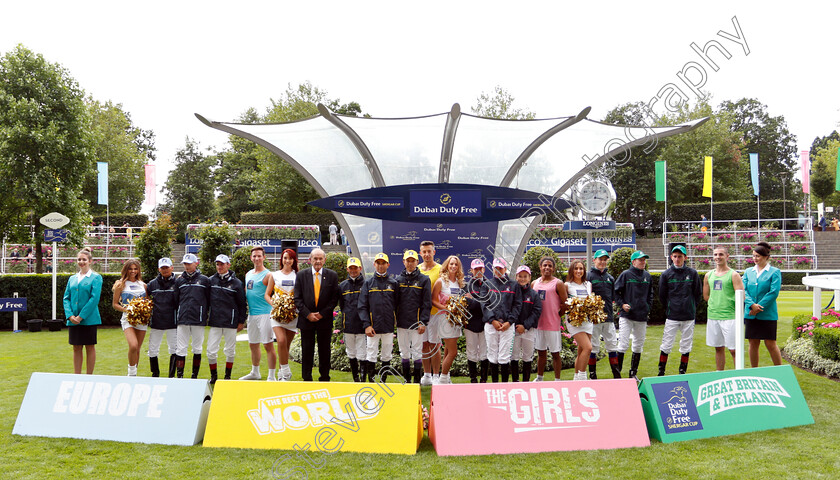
pixel 340 154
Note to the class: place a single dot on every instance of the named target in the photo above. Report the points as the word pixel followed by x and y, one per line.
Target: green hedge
pixel 734 210
pixel 827 342
pixel 38 290
pixel 118 219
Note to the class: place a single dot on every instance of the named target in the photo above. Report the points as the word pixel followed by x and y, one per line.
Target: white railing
pixel 791 248
pixel 110 249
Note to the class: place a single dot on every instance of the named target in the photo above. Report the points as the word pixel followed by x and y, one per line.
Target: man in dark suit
pixel 315 314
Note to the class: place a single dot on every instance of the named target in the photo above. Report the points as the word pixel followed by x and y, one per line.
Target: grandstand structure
pixel 792 248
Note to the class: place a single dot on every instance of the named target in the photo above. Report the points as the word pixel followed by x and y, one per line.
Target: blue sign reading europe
pixel 442 203
pixel 676 407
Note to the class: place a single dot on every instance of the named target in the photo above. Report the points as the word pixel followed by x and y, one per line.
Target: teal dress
pixel 762 290
pixel 81 298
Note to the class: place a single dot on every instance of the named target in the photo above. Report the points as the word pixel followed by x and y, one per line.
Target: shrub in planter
pixel 827 342
pixel 532 258
pixel 154 243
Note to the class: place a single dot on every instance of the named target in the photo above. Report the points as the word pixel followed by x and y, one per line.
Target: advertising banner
pixel 576 241
pixel 125 409
pixel 447 203
pixel 467 240
pixel 483 419
pixel 713 404
pixel 271 245
pixel 328 417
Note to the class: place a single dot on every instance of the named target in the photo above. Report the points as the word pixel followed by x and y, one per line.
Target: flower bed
pixel 799 248
pixel 773 236
pixel 701 249
pixel 724 237
pixel 802 263
pixel 700 237
pixel 702 263
pixel 748 237
pixel 797 235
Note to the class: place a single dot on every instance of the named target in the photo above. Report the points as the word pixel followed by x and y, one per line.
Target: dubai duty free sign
pixel 703 405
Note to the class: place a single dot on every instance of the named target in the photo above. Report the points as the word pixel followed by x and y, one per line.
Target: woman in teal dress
pixel 762 284
pixel 81 307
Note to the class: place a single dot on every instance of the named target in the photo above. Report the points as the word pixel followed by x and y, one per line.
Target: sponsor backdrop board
pixel 270 245
pixel 125 409
pixel 482 419
pixel 466 240
pixel 712 404
pixel 327 417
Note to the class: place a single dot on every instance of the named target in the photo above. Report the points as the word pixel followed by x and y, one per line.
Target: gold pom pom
pixel 458 309
pixel 283 308
pixel 139 310
pixel 586 309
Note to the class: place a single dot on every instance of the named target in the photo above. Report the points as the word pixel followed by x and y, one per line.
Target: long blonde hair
pixel 459 275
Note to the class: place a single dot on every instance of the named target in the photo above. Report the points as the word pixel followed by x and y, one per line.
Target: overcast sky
pixel 165 61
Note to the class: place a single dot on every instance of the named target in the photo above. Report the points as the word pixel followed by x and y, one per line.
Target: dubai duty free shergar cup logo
pixel 341 203
pixel 445 199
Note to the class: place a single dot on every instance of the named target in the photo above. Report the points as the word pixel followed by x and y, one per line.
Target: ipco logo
pixel 341 203
pixel 445 199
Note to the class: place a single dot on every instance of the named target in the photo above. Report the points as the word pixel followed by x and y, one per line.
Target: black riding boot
pixel 684 364
pixel 526 371
pixel 620 362
pixel 354 369
pixel 196 365
pixel 173 359
pixel 473 368
pixel 514 371
pixel 406 370
pixel 494 372
pixel 153 364
pixel 214 375
pixel 505 372
pixel 179 366
pixel 485 365
pixel 418 371
pixel 663 360
pixel 634 364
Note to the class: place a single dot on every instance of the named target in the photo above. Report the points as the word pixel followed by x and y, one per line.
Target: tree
pixel 632 174
pixel 189 188
pixel 634 179
pixel 685 153
pixel 824 171
pixel 154 243
pixel 235 173
pixel 499 104
pixel 46 150
pixel 770 138
pixel 126 149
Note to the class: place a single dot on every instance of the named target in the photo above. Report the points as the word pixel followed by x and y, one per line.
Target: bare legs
pixel 78 358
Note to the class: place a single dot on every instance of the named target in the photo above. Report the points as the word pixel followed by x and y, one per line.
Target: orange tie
pixel 317 286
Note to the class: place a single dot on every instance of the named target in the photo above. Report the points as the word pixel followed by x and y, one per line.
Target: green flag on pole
pixel 837 173
pixel 661 190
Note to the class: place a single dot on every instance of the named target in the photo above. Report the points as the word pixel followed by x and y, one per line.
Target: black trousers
pixel 308 339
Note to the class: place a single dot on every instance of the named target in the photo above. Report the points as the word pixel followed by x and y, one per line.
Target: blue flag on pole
pixel 754 172
pixel 102 178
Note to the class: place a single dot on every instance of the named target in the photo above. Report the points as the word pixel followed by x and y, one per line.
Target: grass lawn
pixel 800 452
